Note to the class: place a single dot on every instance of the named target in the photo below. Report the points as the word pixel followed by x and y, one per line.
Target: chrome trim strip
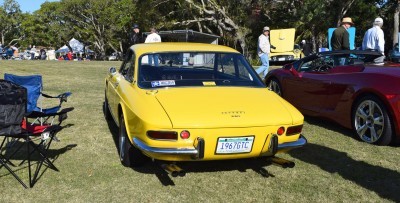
pixel 185 151
pixel 291 145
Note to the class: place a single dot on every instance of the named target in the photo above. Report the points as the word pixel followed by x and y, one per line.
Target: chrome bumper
pixel 292 145
pixel 184 151
pixel 193 151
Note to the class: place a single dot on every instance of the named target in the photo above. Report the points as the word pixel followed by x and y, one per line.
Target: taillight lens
pixel 292 130
pixel 185 134
pixel 163 135
pixel 280 131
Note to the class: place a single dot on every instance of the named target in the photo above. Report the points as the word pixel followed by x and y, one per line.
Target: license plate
pixel 281 59
pixel 234 145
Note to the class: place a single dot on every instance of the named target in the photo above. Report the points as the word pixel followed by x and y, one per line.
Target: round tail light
pixel 280 131
pixel 185 134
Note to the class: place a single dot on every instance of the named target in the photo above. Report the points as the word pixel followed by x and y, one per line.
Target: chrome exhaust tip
pixel 174 170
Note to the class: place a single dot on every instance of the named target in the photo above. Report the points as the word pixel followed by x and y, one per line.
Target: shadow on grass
pixel 257 165
pixel 384 182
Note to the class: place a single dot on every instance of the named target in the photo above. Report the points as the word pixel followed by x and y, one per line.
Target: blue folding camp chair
pixel 36 138
pixel 34 86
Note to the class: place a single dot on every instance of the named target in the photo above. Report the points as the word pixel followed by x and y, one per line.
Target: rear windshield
pixel 202 69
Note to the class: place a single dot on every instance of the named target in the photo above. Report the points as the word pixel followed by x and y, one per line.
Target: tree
pixel 101 22
pixel 10 20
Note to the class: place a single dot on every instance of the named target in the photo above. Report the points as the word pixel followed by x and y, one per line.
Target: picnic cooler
pixel 13 100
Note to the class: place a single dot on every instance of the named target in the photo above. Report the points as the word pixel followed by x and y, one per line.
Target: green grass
pixel 333 167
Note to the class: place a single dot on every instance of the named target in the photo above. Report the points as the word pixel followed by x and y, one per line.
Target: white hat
pixel 303 41
pixel 378 20
pixel 266 28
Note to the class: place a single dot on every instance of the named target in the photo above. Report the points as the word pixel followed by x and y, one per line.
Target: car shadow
pixel 257 165
pixel 382 181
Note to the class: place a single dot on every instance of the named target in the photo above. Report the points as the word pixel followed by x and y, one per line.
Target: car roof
pixel 339 52
pixel 179 46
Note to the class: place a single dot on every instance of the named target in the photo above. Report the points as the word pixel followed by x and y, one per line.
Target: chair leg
pixel 3 163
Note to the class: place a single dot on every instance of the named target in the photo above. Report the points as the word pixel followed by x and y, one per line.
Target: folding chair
pixel 34 86
pixel 36 137
pixel 12 111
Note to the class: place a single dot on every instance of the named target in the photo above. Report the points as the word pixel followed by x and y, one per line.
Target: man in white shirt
pixel 374 39
pixel 263 50
pixel 153 38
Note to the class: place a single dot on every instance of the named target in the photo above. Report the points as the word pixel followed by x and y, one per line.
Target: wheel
pixel 128 154
pixel 107 113
pixel 275 86
pixel 371 121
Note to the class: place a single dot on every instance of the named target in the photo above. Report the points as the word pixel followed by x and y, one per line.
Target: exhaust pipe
pixel 174 170
pixel 282 162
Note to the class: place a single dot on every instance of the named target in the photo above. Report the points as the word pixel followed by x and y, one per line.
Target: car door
pixel 117 82
pixel 308 90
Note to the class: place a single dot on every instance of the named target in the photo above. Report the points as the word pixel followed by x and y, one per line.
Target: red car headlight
pixel 162 135
pixel 292 130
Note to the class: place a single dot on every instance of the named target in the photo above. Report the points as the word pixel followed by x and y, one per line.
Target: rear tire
pixel 129 155
pixel 371 121
pixel 107 113
pixel 275 86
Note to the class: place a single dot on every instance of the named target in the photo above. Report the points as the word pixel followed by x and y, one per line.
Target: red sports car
pixel 346 87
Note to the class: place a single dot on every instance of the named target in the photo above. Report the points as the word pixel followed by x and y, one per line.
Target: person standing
pixel 340 39
pixel 153 37
pixel 263 51
pixel 33 52
pixel 374 39
pixel 135 37
pixel 306 48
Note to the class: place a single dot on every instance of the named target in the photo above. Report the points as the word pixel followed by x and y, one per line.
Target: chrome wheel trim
pixel 369 121
pixel 274 86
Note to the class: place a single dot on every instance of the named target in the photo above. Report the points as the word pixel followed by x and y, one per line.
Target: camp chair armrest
pixel 62 97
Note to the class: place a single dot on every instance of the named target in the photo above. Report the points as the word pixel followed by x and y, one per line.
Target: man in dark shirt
pixel 340 38
pixel 135 37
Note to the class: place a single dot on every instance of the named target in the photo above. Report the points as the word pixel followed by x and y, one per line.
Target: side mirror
pixel 112 71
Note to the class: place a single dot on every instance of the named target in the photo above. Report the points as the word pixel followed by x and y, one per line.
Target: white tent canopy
pixel 77 47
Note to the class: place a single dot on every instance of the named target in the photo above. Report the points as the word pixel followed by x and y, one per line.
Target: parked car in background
pixel 196 102
pixel 285 48
pixel 346 87
pixel 394 54
pixel 116 56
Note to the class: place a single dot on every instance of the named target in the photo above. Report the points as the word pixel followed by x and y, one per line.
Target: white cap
pixel 378 20
pixel 303 41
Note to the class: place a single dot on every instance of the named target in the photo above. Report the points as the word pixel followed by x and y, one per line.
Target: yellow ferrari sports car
pixel 193 102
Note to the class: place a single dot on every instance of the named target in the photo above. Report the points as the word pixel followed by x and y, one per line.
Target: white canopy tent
pixel 77 47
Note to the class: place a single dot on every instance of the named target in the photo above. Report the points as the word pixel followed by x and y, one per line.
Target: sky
pixel 29 5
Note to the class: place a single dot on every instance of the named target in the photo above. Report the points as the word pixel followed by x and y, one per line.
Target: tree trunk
pixel 396 24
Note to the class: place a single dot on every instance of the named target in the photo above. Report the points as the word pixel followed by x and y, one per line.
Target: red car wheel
pixel 371 121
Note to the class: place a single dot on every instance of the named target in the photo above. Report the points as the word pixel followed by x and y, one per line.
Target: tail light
pixel 185 134
pixel 280 131
pixel 292 130
pixel 162 135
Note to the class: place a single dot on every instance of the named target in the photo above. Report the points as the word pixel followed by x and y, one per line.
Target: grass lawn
pixel 333 167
